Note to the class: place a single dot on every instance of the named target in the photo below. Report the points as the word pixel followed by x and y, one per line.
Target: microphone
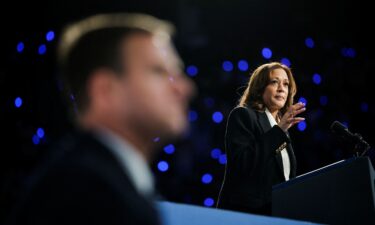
pixel 356 139
pixel 342 131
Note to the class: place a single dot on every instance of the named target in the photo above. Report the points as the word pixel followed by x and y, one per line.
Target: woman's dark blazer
pixel 254 162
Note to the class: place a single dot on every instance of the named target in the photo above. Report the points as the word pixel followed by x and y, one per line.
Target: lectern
pixel 340 193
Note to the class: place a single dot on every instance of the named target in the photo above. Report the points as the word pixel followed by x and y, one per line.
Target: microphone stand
pixel 361 145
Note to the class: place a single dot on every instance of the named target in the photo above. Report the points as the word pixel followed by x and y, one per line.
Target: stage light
pixel 309 42
pixel 217 117
pixel 40 132
pixel 267 53
pixel 303 100
pixel 209 102
pixel 20 47
pixel 50 36
pixel 36 139
pixel 163 166
pixel 192 70
pixel 317 79
pixel 169 149
pixel 323 100
pixel 227 66
pixel 301 126
pixel 243 65
pixel 364 107
pixel 286 62
pixel 206 178
pixel 215 153
pixel 208 202
pixel 348 52
pixel 351 53
pixel 193 115
pixel 223 159
pixel 42 49
pixel 344 52
pixel 18 102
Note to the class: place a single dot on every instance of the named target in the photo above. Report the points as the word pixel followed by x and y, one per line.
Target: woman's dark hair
pixel 260 78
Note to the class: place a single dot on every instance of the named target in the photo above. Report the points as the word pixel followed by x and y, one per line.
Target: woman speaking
pixel 257 143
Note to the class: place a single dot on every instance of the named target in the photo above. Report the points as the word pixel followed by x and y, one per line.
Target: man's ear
pixel 99 87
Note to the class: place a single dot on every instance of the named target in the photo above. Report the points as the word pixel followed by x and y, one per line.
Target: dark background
pixel 209 33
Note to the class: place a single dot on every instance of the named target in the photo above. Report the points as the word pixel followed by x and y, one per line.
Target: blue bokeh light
pixel 50 35
pixel 364 107
pixel 36 139
pixel 169 149
pixel 193 115
pixel 157 139
pixel 302 126
pixel 351 53
pixel 163 166
pixel 286 62
pixel 207 178
pixel 40 132
pixel 223 159
pixel 20 47
pixel 323 100
pixel 18 102
pixel 192 70
pixel 209 102
pixel 344 52
pixel 215 153
pixel 317 79
pixel 266 53
pixel 208 202
pixel 227 66
pixel 243 65
pixel 42 49
pixel 309 42
pixel 303 100
pixel 348 52
pixel 217 117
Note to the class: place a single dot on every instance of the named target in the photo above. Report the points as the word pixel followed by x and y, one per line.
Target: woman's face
pixel 276 92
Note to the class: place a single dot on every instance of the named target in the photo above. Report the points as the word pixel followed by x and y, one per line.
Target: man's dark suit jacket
pixel 83 183
pixel 253 163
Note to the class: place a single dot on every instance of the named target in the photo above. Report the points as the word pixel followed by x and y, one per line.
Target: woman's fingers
pixel 297 120
pixel 296 109
pixel 289 119
pixel 299 111
pixel 298 106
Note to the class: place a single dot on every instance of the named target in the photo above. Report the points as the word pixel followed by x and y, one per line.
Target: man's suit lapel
pixel 265 125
